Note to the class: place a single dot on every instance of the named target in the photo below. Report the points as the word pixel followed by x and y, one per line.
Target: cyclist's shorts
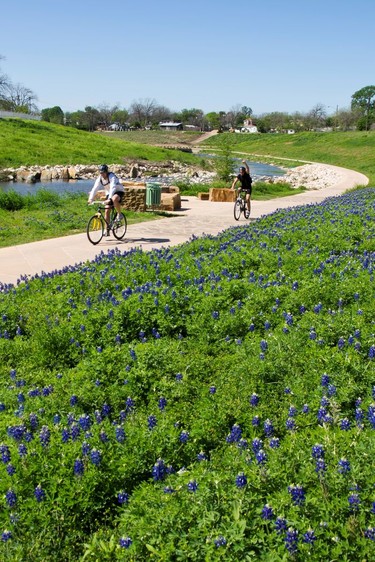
pixel 119 193
pixel 248 191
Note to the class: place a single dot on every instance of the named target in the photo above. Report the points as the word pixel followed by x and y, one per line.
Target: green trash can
pixel 153 194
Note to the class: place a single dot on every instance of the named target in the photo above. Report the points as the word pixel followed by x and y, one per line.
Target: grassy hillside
pixel 24 143
pixel 354 150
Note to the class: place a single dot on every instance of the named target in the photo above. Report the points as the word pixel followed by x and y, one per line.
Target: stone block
pixel 223 195
pixel 170 201
pixel 203 196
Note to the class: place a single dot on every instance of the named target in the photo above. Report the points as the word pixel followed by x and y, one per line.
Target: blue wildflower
pixel 159 470
pixel 309 537
pixel 151 421
pixel 11 498
pixel 261 457
pixel 120 434
pixel 122 497
pixel 95 457
pixel 78 467
pixel 162 403
pixel 220 541
pixel 297 494
pixel 280 525
pixel 192 486
pixel 354 501
pixel 254 399
pixel 267 512
pixel 125 542
pixel 39 493
pixel 344 466
pixel 241 480
pixel 291 540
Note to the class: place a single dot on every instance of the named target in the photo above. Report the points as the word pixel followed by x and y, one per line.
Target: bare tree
pixel 141 111
pixel 19 98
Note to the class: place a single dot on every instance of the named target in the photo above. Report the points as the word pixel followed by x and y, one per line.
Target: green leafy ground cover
pixel 212 401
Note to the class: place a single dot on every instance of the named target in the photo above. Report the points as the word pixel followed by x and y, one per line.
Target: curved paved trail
pixel 196 217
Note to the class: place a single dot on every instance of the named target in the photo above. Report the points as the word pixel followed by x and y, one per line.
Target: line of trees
pixel 147 113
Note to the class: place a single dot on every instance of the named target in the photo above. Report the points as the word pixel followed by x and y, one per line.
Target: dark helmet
pixel 103 168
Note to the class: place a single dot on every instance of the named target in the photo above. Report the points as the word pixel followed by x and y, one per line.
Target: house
pixel 249 127
pixel 171 126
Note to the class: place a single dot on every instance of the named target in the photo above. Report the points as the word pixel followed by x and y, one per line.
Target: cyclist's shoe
pixel 108 232
pixel 246 213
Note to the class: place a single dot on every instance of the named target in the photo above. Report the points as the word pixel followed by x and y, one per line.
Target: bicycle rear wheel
pixel 95 229
pixel 119 227
pixel 237 209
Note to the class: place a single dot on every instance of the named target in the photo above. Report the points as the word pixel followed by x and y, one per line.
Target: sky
pixel 213 55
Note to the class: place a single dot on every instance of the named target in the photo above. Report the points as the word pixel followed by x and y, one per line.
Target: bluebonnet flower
pixel 212 389
pixel 84 422
pixel 22 450
pixel 45 436
pixel 5 453
pixel 371 352
pixel 324 402
pixel 291 540
pixel 56 419
pixel 220 541
pixel 324 380
pixel 280 525
pixel 263 345
pixel 331 390
pixel 202 456
pixel 267 325
pixel 162 403
pixel 86 448
pixel 125 542
pixel 242 443
pixel 267 512
pixel 344 466
pixel 78 467
pixel 6 535
pixel 10 469
pixel 215 315
pixel 241 480
pixel 235 434
pixel 371 415
pixel 255 421
pixel 292 411
pixel 168 490
pixel 268 428
pixel 373 508
pixel 11 498
pixel 122 497
pixel 106 410
pixel 65 435
pixel 341 343
pixel 318 451
pixel 354 501
pixel 95 457
pixel 39 493
pixel 305 409
pixel 290 424
pixel 274 443
pixel 103 437
pixel 184 436
pixel 297 493
pixel 370 533
pixel 192 486
pixel 151 421
pixel 254 399
pixel 159 470
pixel 238 341
pixel 133 354
pixel 75 431
pixel 261 457
pixel 320 467
pixel 312 335
pixel 257 444
pixel 178 377
pixel 345 424
pixel 262 356
pixel 120 434
pixel 309 537
pixel 251 327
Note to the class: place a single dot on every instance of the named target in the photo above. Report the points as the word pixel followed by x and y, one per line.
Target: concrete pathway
pixel 196 217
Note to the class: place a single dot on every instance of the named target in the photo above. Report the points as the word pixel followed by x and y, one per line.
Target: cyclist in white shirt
pixel 114 191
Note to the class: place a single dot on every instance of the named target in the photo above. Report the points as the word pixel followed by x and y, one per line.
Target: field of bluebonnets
pixel 213 401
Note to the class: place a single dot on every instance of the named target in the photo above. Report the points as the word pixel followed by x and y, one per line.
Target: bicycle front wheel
pixel 95 229
pixel 237 209
pixel 119 227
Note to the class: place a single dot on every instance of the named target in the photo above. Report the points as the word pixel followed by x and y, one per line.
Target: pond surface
pixel 84 186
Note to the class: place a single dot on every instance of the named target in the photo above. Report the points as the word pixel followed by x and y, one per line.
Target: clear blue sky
pixel 270 55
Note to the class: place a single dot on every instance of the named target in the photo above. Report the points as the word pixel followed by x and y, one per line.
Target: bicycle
pixel 240 206
pixel 97 224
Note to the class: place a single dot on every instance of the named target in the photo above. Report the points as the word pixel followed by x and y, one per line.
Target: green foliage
pixel 193 386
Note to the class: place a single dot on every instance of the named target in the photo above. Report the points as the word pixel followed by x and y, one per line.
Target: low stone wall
pixel 223 195
pixel 135 199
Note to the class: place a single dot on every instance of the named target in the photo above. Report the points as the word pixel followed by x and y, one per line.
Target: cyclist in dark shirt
pixel 246 182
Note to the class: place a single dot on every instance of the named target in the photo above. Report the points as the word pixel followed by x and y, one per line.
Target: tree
pixel 246 111
pixel 141 111
pixel 364 100
pixel 53 115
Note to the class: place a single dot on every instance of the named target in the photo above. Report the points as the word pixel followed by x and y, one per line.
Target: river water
pixel 257 169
